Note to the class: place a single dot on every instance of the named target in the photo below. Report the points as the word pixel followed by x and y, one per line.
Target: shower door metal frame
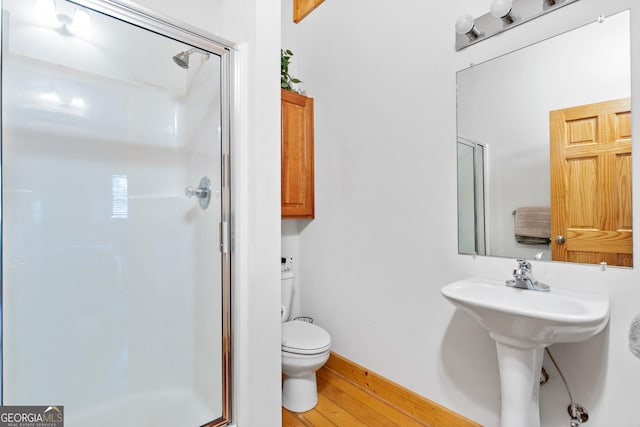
pixel 163 25
pixel 480 167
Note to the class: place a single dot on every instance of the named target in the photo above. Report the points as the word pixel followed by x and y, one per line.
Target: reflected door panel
pixel 591 183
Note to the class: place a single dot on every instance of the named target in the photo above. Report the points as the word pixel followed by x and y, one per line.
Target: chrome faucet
pixel 523 277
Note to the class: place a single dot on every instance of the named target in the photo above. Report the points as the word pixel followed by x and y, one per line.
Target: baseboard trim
pixel 395 395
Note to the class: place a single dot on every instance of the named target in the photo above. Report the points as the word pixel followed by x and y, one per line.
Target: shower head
pixel 182 58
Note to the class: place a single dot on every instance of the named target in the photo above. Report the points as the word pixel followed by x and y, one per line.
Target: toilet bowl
pixel 305 349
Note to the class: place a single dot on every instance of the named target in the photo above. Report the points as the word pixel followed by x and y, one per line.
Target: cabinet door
pixel 297 156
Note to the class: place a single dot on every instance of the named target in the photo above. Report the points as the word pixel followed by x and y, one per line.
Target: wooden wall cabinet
pixel 296 155
pixel 302 8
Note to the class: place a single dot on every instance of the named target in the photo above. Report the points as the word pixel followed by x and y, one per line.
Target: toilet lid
pixel 304 338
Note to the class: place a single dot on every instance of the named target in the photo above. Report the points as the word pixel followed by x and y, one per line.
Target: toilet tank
pixel 286 294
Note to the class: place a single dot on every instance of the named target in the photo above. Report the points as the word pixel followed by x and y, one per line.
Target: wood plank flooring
pixel 351 396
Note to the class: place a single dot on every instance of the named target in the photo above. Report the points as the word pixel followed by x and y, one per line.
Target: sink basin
pixel 529 318
pixel 523 322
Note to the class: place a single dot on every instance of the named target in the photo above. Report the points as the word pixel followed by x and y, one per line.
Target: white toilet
pixel 305 348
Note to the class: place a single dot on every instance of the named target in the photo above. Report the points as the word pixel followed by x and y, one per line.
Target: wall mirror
pixel 544 149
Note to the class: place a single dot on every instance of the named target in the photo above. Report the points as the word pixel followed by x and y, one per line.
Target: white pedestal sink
pixel 523 322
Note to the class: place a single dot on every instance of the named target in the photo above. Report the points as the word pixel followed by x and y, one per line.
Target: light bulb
pixel 464 24
pixel 81 19
pixel 501 8
pixel 46 9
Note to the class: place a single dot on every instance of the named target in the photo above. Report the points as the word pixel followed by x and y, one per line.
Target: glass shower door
pixel 114 277
pixel 471 197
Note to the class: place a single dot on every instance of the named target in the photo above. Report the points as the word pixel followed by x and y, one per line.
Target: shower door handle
pixel 202 192
pixel 223 237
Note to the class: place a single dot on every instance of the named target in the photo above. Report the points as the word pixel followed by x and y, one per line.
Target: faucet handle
pixel 523 264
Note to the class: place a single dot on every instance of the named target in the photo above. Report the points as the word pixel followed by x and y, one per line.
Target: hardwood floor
pixel 352 396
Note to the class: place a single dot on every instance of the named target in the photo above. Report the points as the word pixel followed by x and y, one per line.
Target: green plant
pixel 286 80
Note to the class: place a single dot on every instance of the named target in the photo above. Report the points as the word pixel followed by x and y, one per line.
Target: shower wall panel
pixel 202 115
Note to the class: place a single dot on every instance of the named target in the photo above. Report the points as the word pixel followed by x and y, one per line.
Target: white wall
pixel 384 238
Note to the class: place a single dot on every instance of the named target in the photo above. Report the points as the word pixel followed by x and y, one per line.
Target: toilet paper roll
pixel 634 336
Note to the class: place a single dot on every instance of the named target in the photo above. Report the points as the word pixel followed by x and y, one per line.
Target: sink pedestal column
pixel 519 384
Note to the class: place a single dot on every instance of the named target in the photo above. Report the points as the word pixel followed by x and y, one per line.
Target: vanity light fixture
pixel 502 9
pixel 81 19
pixel 510 14
pixel 465 24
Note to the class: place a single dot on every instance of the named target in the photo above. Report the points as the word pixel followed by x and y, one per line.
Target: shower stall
pixel 115 212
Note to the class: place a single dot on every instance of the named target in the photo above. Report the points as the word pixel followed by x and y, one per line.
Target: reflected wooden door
pixel 591 216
